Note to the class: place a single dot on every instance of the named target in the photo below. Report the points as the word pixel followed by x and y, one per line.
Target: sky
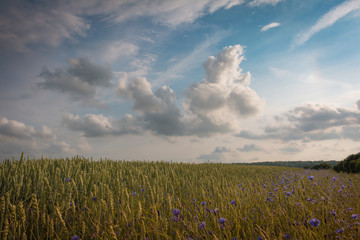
pixel 186 81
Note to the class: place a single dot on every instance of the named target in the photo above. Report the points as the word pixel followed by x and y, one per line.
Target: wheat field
pixel 80 198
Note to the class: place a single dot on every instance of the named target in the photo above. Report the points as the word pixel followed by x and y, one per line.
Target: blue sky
pixel 192 81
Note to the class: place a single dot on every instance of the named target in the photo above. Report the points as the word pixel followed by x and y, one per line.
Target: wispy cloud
pixel 328 20
pixel 271 25
pixel 256 3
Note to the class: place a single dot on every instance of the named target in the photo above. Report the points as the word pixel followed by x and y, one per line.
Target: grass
pixel 82 199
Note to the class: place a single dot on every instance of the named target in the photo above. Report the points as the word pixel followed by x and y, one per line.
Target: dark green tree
pixel 351 164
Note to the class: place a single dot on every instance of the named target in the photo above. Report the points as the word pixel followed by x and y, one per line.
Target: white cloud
pixel 79 80
pixel 271 25
pixel 51 23
pixel 157 111
pixel 97 125
pixel 212 106
pixel 117 49
pixel 311 122
pixel 328 20
pixel 17 137
pixel 250 148
pixel 255 3
pixel 220 154
pixel 27 23
pixel 292 148
pixel 224 95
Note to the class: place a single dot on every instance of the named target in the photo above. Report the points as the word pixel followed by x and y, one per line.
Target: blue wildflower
pixel 311 177
pixel 67 179
pixel 203 203
pixel 94 198
pixel 176 212
pixel 259 237
pixel 314 222
pixel 76 237
pixel 133 194
pixel 222 220
pixel 354 216
pixel 340 230
pixel 233 202
pixel 202 225
pixel 286 236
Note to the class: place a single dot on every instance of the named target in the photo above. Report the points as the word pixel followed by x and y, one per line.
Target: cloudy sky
pixel 191 81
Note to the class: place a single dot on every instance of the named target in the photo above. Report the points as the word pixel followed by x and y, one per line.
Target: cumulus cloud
pixel 157 111
pixel 311 122
pixel 255 3
pixel 16 136
pixel 79 80
pixel 270 25
pixel 328 20
pixel 224 95
pixel 93 125
pixel 214 105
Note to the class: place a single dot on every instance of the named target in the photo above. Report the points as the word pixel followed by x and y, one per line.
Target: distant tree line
pixel 298 164
pixel 351 164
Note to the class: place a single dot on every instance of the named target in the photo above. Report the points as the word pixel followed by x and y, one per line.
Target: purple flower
pixel 76 237
pixel 203 203
pixel 67 180
pixel 308 199
pixel 340 230
pixel 215 210
pixel 334 179
pixel 202 225
pixel 133 194
pixel 233 202
pixel 94 198
pixel 288 193
pixel 143 189
pixel 259 237
pixel 176 212
pixel 286 236
pixel 314 222
pixel 350 208
pixel 332 212
pixel 354 216
pixel 175 219
pixel 311 177
pixel 222 220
